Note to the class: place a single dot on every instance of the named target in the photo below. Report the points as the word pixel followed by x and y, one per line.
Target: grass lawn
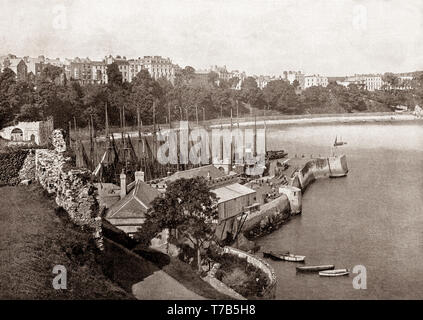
pixel 33 239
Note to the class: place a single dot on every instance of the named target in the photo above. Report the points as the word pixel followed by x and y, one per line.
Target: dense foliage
pixel 243 277
pixel 10 164
pixel 50 94
pixel 187 207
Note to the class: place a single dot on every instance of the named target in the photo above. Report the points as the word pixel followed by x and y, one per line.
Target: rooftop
pixel 231 192
pixel 135 204
pixel 204 171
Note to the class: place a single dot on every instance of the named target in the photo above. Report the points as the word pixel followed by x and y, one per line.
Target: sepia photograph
pixel 239 151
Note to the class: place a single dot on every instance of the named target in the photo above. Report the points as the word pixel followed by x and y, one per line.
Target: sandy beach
pixel 314 119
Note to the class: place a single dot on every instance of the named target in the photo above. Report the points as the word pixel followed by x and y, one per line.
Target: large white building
pixel 366 82
pixel 291 76
pixel 315 81
pixel 157 66
pixel 17 65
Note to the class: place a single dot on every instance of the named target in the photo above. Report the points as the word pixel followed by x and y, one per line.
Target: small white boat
pixel 284 256
pixel 334 273
pixel 292 257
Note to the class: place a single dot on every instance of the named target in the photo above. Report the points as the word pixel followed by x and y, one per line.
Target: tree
pixel 94 100
pixel 391 79
pixel 184 76
pixel 189 207
pixel 280 95
pixel 212 77
pixel 251 94
pixel 30 112
pixel 114 75
pixel 145 90
pixel 51 73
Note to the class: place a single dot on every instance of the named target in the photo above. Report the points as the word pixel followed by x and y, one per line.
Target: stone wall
pixel 219 285
pixel 335 166
pixel 27 171
pixel 269 218
pixel 72 187
pixel 258 263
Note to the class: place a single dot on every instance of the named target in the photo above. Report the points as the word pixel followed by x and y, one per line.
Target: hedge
pixel 10 165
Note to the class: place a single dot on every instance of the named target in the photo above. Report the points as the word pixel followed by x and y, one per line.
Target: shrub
pixel 238 274
pixel 10 164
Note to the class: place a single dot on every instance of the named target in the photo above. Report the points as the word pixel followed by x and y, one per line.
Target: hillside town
pixel 86 71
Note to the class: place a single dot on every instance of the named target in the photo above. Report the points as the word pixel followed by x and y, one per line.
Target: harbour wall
pixel 275 213
pixel 270 290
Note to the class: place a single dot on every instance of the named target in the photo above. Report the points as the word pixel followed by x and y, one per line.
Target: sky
pixel 327 37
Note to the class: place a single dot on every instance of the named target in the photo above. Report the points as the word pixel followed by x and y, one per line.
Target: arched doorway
pixel 17 135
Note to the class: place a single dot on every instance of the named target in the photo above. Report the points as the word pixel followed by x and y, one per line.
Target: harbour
pixel 371 218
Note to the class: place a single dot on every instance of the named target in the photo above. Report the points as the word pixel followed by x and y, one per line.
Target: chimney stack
pixel 122 185
pixel 140 176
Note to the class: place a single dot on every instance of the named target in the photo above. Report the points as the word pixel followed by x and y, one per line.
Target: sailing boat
pixel 338 143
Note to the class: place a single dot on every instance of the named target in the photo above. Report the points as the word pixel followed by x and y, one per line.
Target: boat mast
pixel 232 153
pixel 255 135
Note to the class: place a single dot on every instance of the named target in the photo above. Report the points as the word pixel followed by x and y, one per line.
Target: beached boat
pixel 284 256
pixel 274 255
pixel 316 268
pixel 334 273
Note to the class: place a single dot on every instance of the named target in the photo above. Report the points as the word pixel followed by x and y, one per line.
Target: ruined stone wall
pixel 72 187
pixel 27 171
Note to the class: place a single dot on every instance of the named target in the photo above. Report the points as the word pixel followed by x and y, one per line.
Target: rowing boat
pixel 286 256
pixel 316 268
pixel 334 273
pixel 274 255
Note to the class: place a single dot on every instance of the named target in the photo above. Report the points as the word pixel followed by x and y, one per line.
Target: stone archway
pixel 16 135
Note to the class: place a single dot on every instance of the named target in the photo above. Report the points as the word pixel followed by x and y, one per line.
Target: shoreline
pixel 326 119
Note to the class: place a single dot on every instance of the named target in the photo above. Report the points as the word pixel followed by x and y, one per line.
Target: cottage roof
pixel 135 204
pixel 231 192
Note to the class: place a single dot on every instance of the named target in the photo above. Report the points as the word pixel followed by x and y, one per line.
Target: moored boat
pixel 286 256
pixel 293 258
pixel 316 268
pixel 334 273
pixel 274 255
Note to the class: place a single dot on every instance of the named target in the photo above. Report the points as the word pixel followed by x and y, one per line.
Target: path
pixel 161 286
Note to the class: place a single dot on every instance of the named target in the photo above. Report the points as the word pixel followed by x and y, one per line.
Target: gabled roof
pixel 203 171
pixel 231 192
pixel 15 62
pixel 135 204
